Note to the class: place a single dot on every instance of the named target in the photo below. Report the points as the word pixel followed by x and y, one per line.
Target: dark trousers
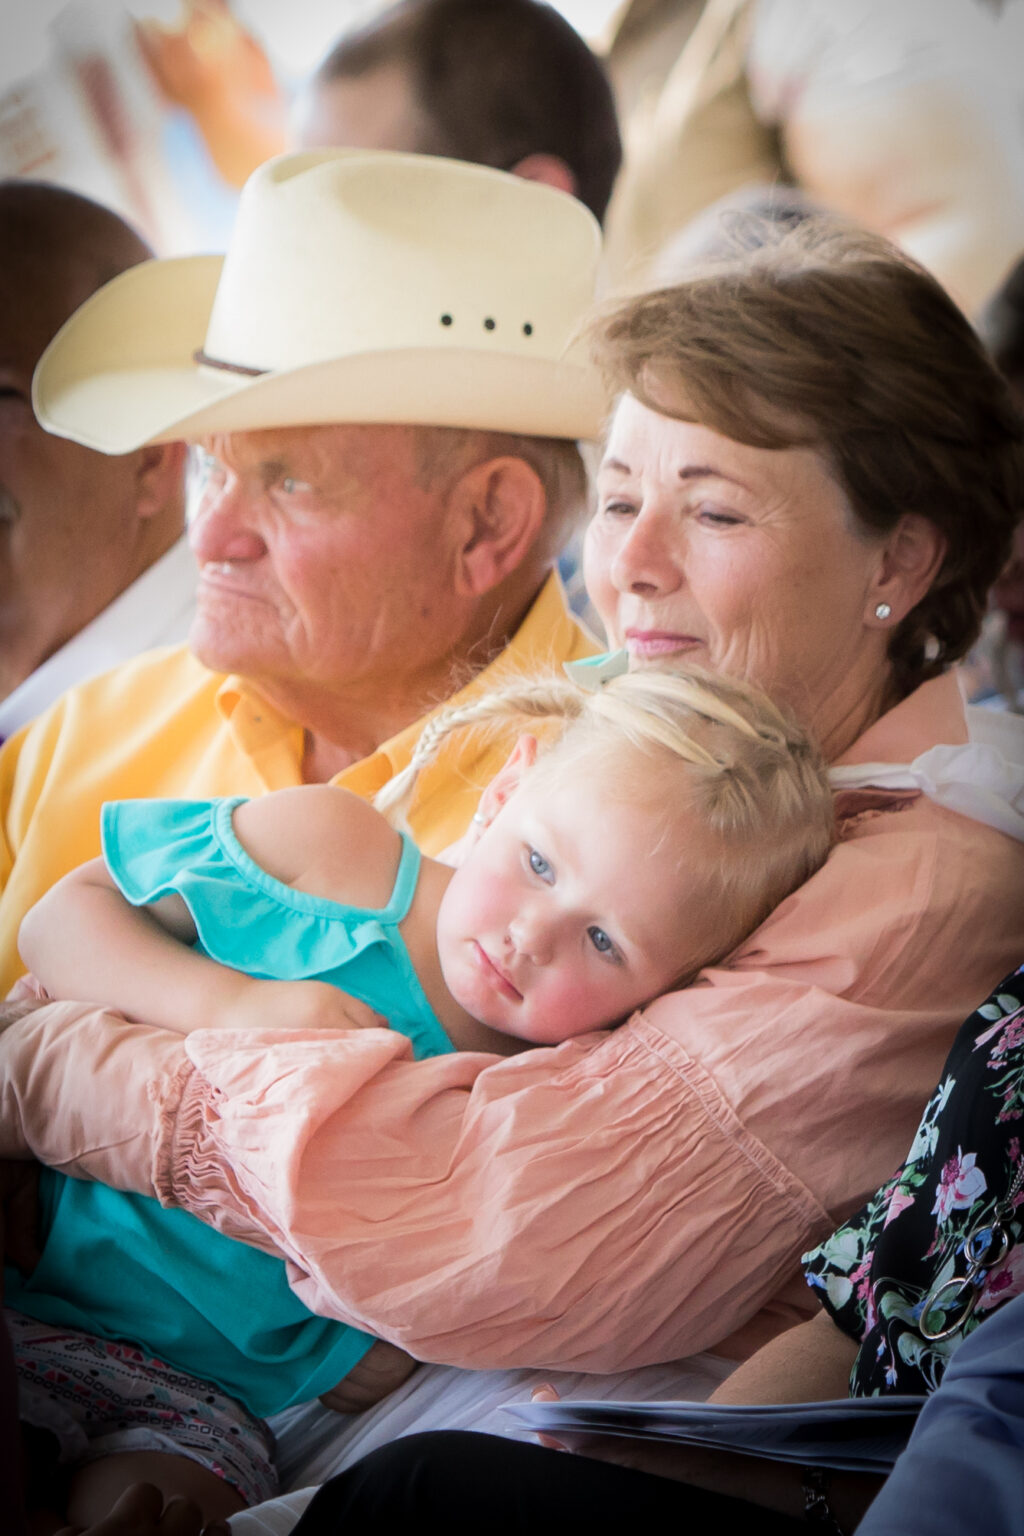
pixel 471 1482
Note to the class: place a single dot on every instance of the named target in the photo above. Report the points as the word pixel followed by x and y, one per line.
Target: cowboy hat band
pixel 359 286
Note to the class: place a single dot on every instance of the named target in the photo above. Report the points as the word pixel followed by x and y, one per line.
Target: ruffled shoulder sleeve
pixel 244 917
pixel 152 847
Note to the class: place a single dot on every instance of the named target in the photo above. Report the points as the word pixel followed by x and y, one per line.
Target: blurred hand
pixel 141 1511
pixel 19 1216
pixel 218 72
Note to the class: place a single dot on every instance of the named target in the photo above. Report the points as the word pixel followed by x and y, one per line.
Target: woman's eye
pixel 615 507
pixel 601 942
pixel 718 517
pixel 540 866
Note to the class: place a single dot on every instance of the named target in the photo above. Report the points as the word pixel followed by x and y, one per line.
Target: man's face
pixel 63 508
pixel 326 563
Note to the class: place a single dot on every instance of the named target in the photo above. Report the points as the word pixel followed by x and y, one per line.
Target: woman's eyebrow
pixel 709 472
pixel 688 472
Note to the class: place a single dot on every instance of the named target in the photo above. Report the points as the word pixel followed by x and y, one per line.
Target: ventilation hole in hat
pixel 527 329
pixel 446 319
pixel 489 324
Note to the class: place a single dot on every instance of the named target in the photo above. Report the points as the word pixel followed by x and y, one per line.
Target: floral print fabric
pixel 876 1273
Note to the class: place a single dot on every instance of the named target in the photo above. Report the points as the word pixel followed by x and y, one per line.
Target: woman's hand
pixel 294 1005
pixel 672 1461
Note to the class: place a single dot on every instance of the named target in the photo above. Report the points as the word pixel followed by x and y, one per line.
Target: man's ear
pixel 160 479
pixel 552 170
pixel 508 778
pixel 500 506
pixel 912 557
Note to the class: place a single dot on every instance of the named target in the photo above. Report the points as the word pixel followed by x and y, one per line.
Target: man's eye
pixel 205 466
pixel 540 866
pixel 292 487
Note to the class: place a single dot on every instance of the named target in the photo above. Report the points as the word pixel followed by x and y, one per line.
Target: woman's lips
pixel 495 974
pixel 657 642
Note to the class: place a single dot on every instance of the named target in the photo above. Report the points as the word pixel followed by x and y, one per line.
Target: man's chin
pixel 222 652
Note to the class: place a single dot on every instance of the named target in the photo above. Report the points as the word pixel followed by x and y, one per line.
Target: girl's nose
pixel 530 937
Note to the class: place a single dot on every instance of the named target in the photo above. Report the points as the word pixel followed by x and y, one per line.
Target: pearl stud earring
pixel 883 611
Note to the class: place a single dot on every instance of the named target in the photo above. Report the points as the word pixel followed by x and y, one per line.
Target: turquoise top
pixel 119 1265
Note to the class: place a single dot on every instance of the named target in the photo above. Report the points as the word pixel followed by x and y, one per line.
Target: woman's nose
pixel 649 560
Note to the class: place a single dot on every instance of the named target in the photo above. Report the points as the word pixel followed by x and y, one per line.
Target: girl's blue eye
pixel 601 942
pixel 540 865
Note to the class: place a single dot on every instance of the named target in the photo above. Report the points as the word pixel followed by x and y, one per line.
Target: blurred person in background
pixel 506 83
pixel 899 114
pixel 1001 649
pixel 93 563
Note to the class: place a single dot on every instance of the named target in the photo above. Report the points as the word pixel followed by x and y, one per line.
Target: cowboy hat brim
pixel 122 372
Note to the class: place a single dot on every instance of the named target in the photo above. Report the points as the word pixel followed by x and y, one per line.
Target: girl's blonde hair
pixel 749 775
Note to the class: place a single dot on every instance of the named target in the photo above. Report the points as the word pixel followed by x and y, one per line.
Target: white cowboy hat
pixel 360 286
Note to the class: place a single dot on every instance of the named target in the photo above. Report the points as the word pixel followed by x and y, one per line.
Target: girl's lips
pixel 657 642
pixel 495 975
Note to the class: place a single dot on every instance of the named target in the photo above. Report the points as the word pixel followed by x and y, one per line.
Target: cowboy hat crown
pixel 359 286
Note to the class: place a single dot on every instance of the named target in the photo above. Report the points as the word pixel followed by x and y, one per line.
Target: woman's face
pixel 743 560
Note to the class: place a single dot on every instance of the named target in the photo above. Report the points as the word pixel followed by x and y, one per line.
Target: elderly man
pixel 377 375
pixel 93 565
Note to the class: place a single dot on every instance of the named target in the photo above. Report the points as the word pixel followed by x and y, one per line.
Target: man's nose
pixel 223 527
pixel 649 560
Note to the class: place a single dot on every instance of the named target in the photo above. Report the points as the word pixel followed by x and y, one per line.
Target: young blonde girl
pixel 671 816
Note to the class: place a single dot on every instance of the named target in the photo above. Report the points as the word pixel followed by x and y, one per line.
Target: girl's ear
pixel 507 779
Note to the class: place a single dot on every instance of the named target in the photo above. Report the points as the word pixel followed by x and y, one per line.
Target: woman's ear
pixel 507 779
pixel 911 559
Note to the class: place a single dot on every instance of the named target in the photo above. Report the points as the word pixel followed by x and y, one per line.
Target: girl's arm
pixel 84 940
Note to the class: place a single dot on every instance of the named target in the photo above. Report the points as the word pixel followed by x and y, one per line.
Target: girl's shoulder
pixel 322 840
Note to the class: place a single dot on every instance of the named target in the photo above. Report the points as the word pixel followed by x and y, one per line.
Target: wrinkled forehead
pixel 327 445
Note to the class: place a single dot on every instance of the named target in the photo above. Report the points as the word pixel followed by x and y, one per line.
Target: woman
pixel 812 480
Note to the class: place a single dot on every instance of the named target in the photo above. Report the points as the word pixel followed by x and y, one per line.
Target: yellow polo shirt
pixel 163 725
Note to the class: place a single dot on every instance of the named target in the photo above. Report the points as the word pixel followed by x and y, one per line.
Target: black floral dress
pixel 882 1270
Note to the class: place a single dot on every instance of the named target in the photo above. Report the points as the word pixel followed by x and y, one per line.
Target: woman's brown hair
pixel 827 337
